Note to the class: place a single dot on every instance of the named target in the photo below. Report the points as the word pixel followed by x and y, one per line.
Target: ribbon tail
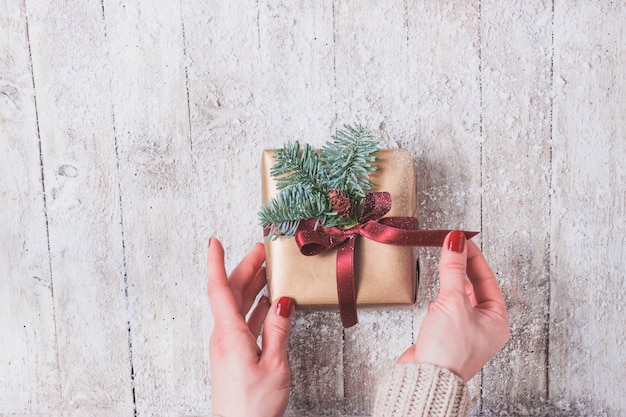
pixel 429 237
pixel 346 287
pixel 402 231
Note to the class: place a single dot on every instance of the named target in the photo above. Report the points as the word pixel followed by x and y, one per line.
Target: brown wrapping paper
pixel 384 274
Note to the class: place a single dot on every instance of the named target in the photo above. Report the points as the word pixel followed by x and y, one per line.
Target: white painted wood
pixel 295 86
pixel 444 92
pixel 221 85
pixel 587 362
pixel 516 167
pixel 152 116
pixel 316 363
pixel 224 115
pixel 29 377
pixel 166 295
pixel 79 173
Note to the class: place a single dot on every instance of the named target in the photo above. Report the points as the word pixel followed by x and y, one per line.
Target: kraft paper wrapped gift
pixel 385 275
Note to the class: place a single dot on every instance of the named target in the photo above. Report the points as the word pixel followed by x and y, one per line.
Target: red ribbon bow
pixel 314 239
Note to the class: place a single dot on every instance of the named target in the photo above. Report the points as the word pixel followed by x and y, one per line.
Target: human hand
pixel 468 322
pixel 245 379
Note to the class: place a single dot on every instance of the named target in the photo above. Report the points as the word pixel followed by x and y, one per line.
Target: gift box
pixel 384 274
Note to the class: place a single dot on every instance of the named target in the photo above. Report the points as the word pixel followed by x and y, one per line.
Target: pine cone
pixel 341 203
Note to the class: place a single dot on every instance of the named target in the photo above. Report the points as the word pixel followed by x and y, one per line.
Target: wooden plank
pixel 295 101
pixel 167 281
pixel 296 97
pixel 445 135
pixel 369 93
pixel 29 377
pixel 370 350
pixel 587 360
pixel 316 365
pixel 221 58
pixel 516 77
pixel 222 50
pixel 79 171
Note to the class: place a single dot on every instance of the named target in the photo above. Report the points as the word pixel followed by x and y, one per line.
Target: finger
pixel 276 329
pixel 223 304
pixel 407 356
pixel 453 263
pixel 469 290
pixel 255 321
pixel 245 272
pixel 250 293
pixel 483 280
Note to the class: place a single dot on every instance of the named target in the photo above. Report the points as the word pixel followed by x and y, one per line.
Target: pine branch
pixel 312 184
pixel 283 213
pixel 298 166
pixel 348 160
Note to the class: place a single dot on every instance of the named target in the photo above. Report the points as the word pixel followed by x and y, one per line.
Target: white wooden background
pixel 131 131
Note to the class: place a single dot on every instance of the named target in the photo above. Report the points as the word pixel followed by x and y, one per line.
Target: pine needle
pixel 348 158
pixel 305 178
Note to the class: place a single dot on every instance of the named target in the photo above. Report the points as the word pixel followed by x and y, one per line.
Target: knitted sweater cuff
pixel 420 389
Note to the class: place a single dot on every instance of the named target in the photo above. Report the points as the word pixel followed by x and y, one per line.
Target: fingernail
pixel 264 300
pixel 284 307
pixel 456 241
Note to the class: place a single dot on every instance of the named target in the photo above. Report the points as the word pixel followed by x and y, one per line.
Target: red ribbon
pixel 314 239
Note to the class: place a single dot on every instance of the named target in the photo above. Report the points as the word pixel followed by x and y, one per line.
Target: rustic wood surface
pixel 130 132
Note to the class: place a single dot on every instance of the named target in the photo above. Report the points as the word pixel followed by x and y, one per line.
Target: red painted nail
pixel 284 307
pixel 456 241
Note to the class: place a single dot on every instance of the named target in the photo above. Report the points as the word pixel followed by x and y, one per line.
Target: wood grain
pixel 446 137
pixel 586 360
pixel 516 80
pixel 29 373
pixel 220 81
pixel 166 294
pixel 79 171
pixel 222 53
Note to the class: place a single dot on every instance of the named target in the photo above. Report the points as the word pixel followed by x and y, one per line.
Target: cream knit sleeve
pixel 419 390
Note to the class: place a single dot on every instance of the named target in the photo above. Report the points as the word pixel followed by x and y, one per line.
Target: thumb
pixel 453 263
pixel 276 328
